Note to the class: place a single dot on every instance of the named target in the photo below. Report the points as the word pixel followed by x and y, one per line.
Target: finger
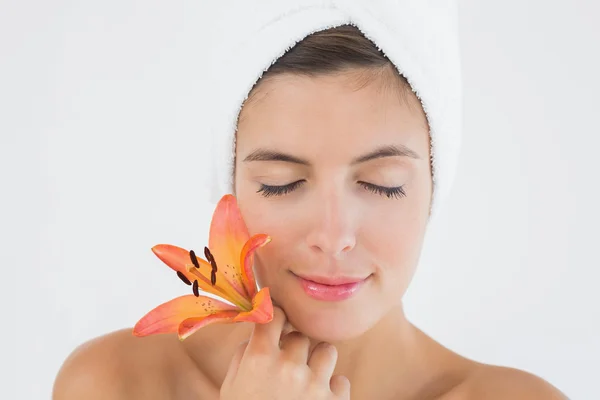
pixel 265 337
pixel 340 387
pixel 295 347
pixel 322 360
pixel 235 362
pixel 287 328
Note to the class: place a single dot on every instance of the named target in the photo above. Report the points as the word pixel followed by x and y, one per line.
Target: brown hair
pixel 334 50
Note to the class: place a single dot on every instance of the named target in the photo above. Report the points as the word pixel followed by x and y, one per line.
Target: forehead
pixel 350 108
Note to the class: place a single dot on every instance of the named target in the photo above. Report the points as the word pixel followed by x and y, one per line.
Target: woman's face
pixel 317 161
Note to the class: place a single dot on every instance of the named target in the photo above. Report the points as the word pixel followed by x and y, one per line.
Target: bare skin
pixel 333 220
pixel 120 366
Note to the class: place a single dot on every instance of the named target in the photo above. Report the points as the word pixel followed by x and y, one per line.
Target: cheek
pixel 269 264
pixel 395 242
pixel 394 236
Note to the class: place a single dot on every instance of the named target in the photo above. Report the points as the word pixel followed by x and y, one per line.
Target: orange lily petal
pixel 179 260
pixel 247 261
pixel 262 309
pixel 191 325
pixel 168 316
pixel 227 236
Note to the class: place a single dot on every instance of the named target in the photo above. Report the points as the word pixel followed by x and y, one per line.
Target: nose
pixel 332 229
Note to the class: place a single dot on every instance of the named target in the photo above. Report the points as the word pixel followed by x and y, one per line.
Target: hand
pixel 264 369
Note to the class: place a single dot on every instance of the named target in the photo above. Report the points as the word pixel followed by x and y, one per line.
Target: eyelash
pixel 389 192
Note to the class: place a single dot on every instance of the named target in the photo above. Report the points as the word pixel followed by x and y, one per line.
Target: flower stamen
pixel 211 259
pixel 194 259
pixel 195 288
pixel 183 278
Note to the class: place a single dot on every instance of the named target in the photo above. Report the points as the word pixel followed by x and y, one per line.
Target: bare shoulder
pixel 495 382
pixel 121 366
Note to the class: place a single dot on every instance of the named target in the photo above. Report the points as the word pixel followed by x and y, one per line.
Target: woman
pixel 332 160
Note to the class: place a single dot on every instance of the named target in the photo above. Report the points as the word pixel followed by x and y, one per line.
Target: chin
pixel 329 321
pixel 330 326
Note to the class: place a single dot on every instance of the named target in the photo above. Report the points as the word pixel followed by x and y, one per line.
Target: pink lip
pixel 330 288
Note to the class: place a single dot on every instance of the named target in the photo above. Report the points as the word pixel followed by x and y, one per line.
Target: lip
pixel 331 288
pixel 331 281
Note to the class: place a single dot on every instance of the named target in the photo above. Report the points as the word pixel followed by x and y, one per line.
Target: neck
pixel 388 360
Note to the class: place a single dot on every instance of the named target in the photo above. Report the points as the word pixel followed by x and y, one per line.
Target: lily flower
pixel 226 273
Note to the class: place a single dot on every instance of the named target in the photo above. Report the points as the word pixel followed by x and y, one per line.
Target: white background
pixel 102 106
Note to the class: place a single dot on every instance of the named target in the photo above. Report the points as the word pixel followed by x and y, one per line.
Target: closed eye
pixel 269 190
pixel 389 192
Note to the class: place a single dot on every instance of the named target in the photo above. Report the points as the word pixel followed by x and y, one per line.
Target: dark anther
pixel 194 259
pixel 183 278
pixel 207 254
pixel 195 288
pixel 210 258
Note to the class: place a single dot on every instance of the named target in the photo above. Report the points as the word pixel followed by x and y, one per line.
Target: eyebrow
pixel 264 154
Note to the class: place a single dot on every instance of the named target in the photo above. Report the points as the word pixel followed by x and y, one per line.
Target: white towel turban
pixel 420 37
